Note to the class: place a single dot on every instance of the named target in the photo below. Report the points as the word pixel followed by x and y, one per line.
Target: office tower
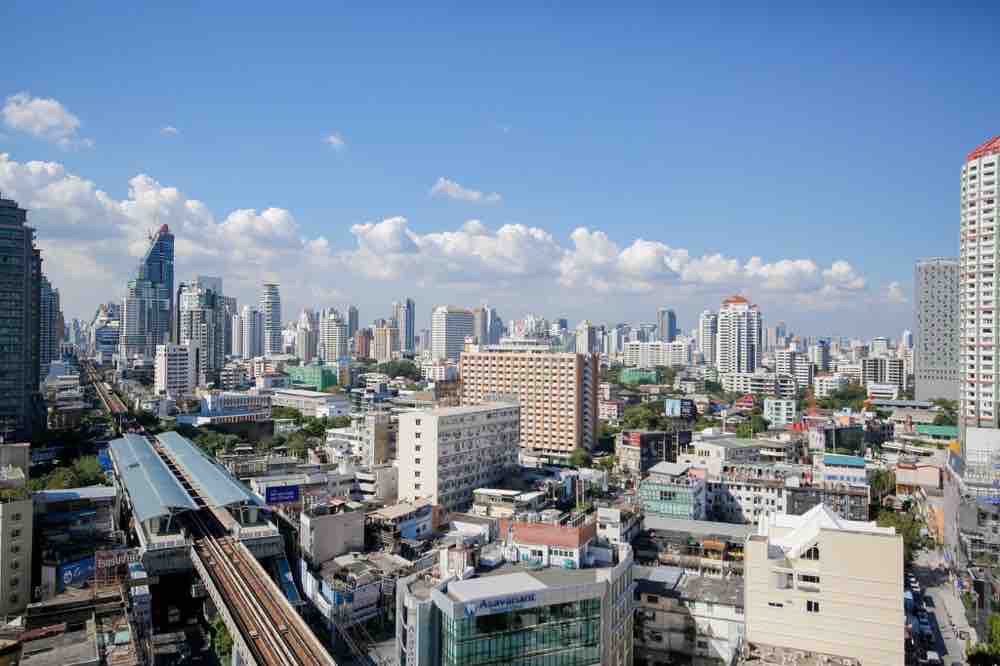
pixel 102 344
pixel 795 364
pixel 352 320
pixel 935 341
pixel 201 326
pixel 666 324
pixel 906 337
pixel 879 346
pixel 819 355
pixel 479 326
pixel 586 339
pixel 450 325
pixel 385 343
pixel 270 308
pixel 487 437
pixel 50 324
pixel 740 336
pixel 20 275
pixel 148 305
pixel 708 333
pixel 803 579
pixel 404 314
pixel 979 387
pixel 332 344
pixel 174 370
pixel 251 332
pixel 557 391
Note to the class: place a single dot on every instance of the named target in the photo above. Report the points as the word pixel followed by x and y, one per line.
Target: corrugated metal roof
pixel 214 483
pixel 67 494
pixel 842 460
pixel 153 489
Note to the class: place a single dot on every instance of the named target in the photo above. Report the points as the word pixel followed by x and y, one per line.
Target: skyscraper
pixel 979 387
pixel 450 325
pixel 50 325
pixel 352 320
pixel 251 328
pixel 201 326
pixel 20 275
pixel 270 308
pixel 332 345
pixel 404 314
pixel 586 339
pixel 936 320
pixel 708 332
pixel 740 337
pixel 149 300
pixel 666 324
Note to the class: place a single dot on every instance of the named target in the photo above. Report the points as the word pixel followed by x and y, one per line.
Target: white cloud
pixel 449 188
pixel 44 118
pixel 91 243
pixel 335 140
pixel 169 130
pixel 894 293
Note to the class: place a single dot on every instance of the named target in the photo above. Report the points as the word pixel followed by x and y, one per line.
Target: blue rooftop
pixel 212 481
pixel 152 488
pixel 841 460
pixel 83 493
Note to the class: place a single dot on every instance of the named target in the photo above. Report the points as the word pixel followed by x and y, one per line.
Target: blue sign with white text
pixel 281 494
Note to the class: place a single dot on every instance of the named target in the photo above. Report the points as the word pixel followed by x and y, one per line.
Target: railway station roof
pixel 153 489
pixel 215 484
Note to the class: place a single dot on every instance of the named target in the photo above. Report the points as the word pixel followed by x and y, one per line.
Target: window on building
pixel 812 606
pixel 811 554
pixel 652 598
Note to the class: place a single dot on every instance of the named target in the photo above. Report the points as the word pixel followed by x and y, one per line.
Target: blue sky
pixel 785 132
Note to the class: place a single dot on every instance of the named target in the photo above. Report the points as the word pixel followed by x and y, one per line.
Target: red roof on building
pixel 554 536
pixel 735 298
pixel 988 147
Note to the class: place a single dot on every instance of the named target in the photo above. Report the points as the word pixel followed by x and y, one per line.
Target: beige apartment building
pixel 819 584
pixel 557 391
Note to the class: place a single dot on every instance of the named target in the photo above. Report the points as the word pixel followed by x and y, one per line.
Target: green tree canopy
pixel 579 458
pixel 401 368
pixel 280 412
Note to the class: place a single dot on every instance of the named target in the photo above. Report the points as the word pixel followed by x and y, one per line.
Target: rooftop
pixel 842 460
pixel 702 528
pixel 515 577
pixel 669 468
pixel 988 147
pixel 211 479
pixel 399 510
pixel 674 581
pixel 803 530
pixel 304 393
pixel 153 489
pixel 470 409
pixel 69 494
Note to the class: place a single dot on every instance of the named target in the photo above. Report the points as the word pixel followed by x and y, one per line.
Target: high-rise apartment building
pixel 739 343
pixel 270 308
pixel 666 324
pixel 363 343
pixel 586 337
pixel 820 584
pixel 404 313
pixel 20 279
pixel 174 370
pixel 883 370
pixel 979 336
pixel 819 355
pixel 385 343
pixel 936 303
pixel 795 364
pixel 148 306
pixel 708 334
pixel 229 310
pixel 16 532
pixel 450 325
pixel 251 330
pixel 201 326
pixel 446 453
pixel 332 345
pixel 306 337
pixel 557 391
pixel 50 324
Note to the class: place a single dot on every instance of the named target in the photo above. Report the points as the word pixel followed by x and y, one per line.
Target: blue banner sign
pixel 281 494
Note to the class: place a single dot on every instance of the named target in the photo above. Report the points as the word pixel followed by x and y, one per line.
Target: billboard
pixel 74 574
pixel 281 494
pixel 679 408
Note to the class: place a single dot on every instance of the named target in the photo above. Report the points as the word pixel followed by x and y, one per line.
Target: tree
pixel 713 388
pixel 222 642
pixel 89 472
pixel 579 458
pixel 883 483
pixel 401 368
pixel 61 479
pixel 756 424
pixel 280 412
pixel 987 651
pixel 665 374
pixel 853 395
pixel 907 525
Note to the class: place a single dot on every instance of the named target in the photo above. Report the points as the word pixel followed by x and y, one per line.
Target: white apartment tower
pixel 708 333
pixel 936 313
pixel 174 370
pixel 16 521
pixel 251 332
pixel 979 335
pixel 333 334
pixel 449 327
pixel 446 453
pixel 586 339
pixel 740 338
pixel 270 307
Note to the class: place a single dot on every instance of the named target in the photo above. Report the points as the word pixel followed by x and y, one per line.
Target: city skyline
pixel 503 209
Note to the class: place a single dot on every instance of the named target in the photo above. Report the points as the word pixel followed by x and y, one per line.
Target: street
pixel 947 610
